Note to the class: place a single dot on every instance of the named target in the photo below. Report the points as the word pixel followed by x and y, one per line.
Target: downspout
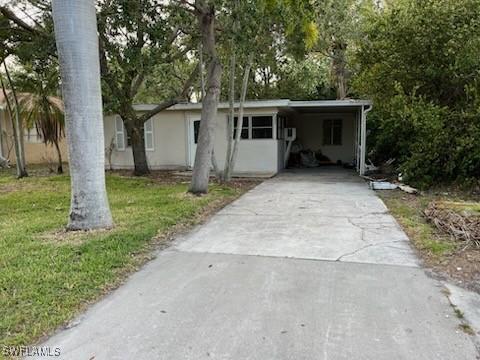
pixel 363 137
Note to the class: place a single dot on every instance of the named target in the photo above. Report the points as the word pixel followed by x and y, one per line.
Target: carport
pixel 334 128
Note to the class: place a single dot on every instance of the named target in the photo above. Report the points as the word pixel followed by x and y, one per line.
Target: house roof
pixel 275 103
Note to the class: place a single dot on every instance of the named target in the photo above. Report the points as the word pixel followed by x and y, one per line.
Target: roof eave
pixel 258 104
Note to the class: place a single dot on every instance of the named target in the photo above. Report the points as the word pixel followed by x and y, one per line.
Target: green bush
pixel 420 63
pixel 431 144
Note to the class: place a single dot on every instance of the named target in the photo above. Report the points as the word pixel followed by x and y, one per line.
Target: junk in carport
pixel 300 157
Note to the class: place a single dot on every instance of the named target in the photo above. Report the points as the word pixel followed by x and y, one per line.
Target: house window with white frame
pixel 256 127
pixel 123 141
pixel 332 131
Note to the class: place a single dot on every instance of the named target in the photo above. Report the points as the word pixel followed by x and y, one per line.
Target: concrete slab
pixel 210 306
pixel 324 215
pixel 468 302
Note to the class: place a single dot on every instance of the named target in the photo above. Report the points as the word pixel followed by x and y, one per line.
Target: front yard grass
pixel 439 251
pixel 48 276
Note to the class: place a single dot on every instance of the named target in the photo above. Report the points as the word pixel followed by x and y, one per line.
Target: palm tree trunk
pixel 77 44
pixel 203 156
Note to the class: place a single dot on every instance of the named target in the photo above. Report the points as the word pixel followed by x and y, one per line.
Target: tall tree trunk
pixel 17 141
pixel 339 70
pixel 59 157
pixel 202 72
pixel 238 135
pixel 137 136
pixel 77 44
pixel 230 121
pixel 203 156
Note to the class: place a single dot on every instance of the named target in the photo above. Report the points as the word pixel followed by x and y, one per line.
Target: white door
pixel 193 130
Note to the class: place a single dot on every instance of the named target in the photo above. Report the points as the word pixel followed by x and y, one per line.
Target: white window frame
pixel 119 132
pixel 151 132
pixel 249 116
pixel 331 131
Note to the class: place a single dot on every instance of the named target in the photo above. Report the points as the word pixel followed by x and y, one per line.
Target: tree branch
pixel 190 7
pixel 170 102
pixel 19 22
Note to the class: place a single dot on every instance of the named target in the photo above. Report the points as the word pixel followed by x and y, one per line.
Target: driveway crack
pixel 365 247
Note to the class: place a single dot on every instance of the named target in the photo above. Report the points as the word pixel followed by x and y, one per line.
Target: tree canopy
pixel 420 62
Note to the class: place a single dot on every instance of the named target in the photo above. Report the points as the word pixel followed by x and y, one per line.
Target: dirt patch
pixel 178 177
pixel 463 267
pixel 64 237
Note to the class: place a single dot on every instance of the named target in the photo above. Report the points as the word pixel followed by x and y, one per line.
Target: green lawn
pixel 47 276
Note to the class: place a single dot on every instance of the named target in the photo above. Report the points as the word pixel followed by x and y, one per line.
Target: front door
pixel 193 130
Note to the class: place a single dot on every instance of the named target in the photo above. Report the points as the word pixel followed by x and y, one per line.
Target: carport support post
pixel 363 137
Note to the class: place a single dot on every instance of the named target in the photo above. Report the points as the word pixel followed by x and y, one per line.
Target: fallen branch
pixel 462 227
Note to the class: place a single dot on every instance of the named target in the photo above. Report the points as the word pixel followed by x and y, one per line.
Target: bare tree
pixel 13 113
pixel 230 164
pixel 77 44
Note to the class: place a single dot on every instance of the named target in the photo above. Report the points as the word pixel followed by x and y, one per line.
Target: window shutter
pixel 148 132
pixel 119 133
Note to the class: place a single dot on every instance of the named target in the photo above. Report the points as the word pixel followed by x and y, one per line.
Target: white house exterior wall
pixel 171 144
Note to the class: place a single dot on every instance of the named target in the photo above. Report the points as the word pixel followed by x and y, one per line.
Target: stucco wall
pixel 310 134
pixel 171 144
pixel 258 156
pixel 35 153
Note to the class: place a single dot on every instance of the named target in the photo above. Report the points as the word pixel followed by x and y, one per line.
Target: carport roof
pixel 276 103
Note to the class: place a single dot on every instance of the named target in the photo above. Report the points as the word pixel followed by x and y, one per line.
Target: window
pixel 196 131
pixel 256 127
pixel 119 133
pixel 122 140
pixel 262 127
pixel 332 132
pixel 32 136
pixel 148 131
pixel 245 127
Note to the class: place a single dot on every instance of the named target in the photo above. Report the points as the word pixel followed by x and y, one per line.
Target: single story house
pixel 36 152
pixel 336 128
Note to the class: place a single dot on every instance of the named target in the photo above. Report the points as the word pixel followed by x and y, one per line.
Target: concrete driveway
pixel 308 265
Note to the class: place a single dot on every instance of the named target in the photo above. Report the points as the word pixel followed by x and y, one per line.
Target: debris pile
pixel 462 225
